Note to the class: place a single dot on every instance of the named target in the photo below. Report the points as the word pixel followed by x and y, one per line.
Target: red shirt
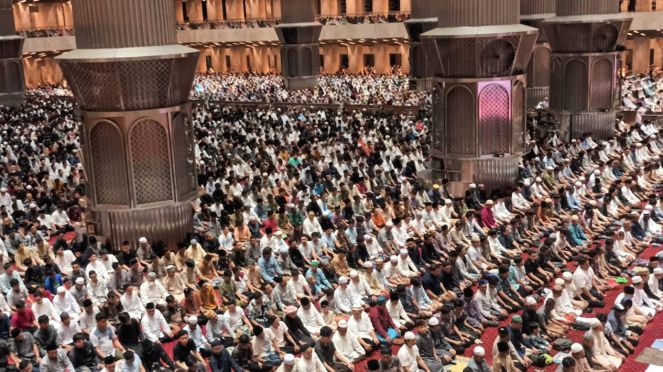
pixel 381 321
pixel 23 320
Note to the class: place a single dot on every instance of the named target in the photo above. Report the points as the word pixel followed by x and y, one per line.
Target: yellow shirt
pixel 374 283
pixel 196 253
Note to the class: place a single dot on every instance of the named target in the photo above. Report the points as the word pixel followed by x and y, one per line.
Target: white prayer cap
pixel 526 182
pixel 593 203
pixel 576 348
pixel 278 233
pixel 433 322
pixel 193 319
pixel 80 281
pixel 367 264
pixel 578 184
pixel 343 324
pixel 393 258
pixel 28 187
pixel 409 336
pixel 448 201
pixel 389 224
pixel 3 189
pixel 473 185
pixel 289 359
pixel 594 322
pixel 638 144
pixel 142 240
pixel 342 280
pixel 538 179
pixel 646 212
pixel 284 250
pixel 62 289
pixel 658 270
pixel 479 351
pixel 597 172
pixel 265 174
pixel 550 168
pixel 367 237
pixel 33 205
pixel 637 279
pixel 530 300
pixel 353 273
pixel 649 207
pixel 567 275
pixel 404 252
pixel 559 281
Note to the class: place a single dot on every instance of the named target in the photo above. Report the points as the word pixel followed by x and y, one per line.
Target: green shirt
pixel 228 290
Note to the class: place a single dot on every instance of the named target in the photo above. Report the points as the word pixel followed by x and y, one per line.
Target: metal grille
pixel 146 84
pixel 519 122
pixel 185 169
pixel 10 49
pixel 458 57
pixel 575 85
pixel 96 84
pixel 556 85
pixel 460 122
pixel 418 62
pixel 150 162
pixel 497 56
pixel 108 164
pixel 573 37
pixel 307 61
pixel 605 38
pixel 292 62
pixel 541 61
pixel 602 75
pixel 438 118
pixel 494 119
pixel 15 75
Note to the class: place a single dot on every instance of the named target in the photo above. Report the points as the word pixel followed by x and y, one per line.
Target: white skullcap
pixel 578 183
pixel 538 179
pixel 284 250
pixel 80 281
pixel 526 182
pixel 343 324
pixel 479 351
pixel 353 273
pixel 28 187
pixel 278 233
pixel 567 275
pixel 3 189
pixel 593 203
pixel 649 207
pixel 33 205
pixel 637 279
pixel 289 359
pixel 367 237
pixel 638 144
pixel 433 322
pixel 530 300
pixel 404 252
pixel 550 168
pixel 448 201
pixel 597 172
pixel 594 322
pixel 142 240
pixel 393 258
pixel 646 212
pixel 389 224
pixel 368 264
pixel 193 319
pixel 576 348
pixel 342 280
pixel 658 270
pixel 559 281
pixel 473 185
pixel 409 336
pixel 62 289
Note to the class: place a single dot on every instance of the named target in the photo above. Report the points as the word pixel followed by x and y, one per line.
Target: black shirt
pixel 129 333
pixel 295 326
pixel 431 283
pixel 153 356
pixel 34 275
pixel 180 353
pixel 531 267
pixel 326 352
pixel 85 356
pixel 124 258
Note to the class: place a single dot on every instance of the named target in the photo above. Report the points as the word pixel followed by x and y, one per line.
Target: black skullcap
pixel 87 303
pixel 502 346
pixel 468 292
pixel 149 306
pixel 51 346
pixel 503 331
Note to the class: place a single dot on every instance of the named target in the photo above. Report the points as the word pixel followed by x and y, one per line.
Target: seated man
pixel 346 345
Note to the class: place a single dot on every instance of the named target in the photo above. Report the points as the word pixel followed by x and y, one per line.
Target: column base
pixel 494 173
pixel 299 83
pixel 600 124
pixel 12 99
pixel 168 224
pixel 421 84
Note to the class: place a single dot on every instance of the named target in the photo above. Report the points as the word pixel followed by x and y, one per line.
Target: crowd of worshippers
pixel 366 89
pixel 315 232
pixel 643 92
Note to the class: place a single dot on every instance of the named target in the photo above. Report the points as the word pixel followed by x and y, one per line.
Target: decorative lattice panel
pixel 573 37
pixel 556 85
pixel 541 61
pixel 605 38
pixel 438 118
pixel 15 74
pixel 519 122
pixel 602 77
pixel 497 55
pixel 307 62
pixel 292 62
pixel 96 84
pixel 458 57
pixel 495 120
pixel 109 170
pixel 185 167
pixel 575 85
pixel 146 84
pixel 150 162
pixel 460 122
pixel 418 62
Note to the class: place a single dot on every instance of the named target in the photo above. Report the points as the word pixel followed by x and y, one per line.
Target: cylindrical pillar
pixel 424 18
pixel 12 80
pixel 132 81
pixel 533 13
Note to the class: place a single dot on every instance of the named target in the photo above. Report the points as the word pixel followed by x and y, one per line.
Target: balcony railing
pixel 45 31
pixel 229 24
pixel 364 18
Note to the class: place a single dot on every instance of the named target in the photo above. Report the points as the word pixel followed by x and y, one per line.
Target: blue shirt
pixel 572 200
pixel 321 281
pixel 5 324
pixel 329 241
pixel 52 285
pixel 352 234
pixel 519 342
pixel 268 268
pixel 132 367
pixel 319 188
pixel 577 236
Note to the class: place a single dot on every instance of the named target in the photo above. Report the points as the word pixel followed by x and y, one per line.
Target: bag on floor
pixel 580 326
pixel 537 360
pixel 562 344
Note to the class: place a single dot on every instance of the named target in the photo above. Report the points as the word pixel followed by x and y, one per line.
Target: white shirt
pixel 345 299
pixel 65 261
pixel 99 268
pixel 60 218
pixel 361 287
pixel 89 321
pixel 155 326
pixel 196 335
pixel 108 264
pixel 234 319
pixel 348 346
pixel 310 365
pixel 583 278
pixel 312 226
pixel 397 313
pixel 152 292
pixel 97 292
pixel 133 305
pixel 311 319
pixel 361 327
pixel 66 303
pixel 46 308
pixel 408 357
pixel 66 333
